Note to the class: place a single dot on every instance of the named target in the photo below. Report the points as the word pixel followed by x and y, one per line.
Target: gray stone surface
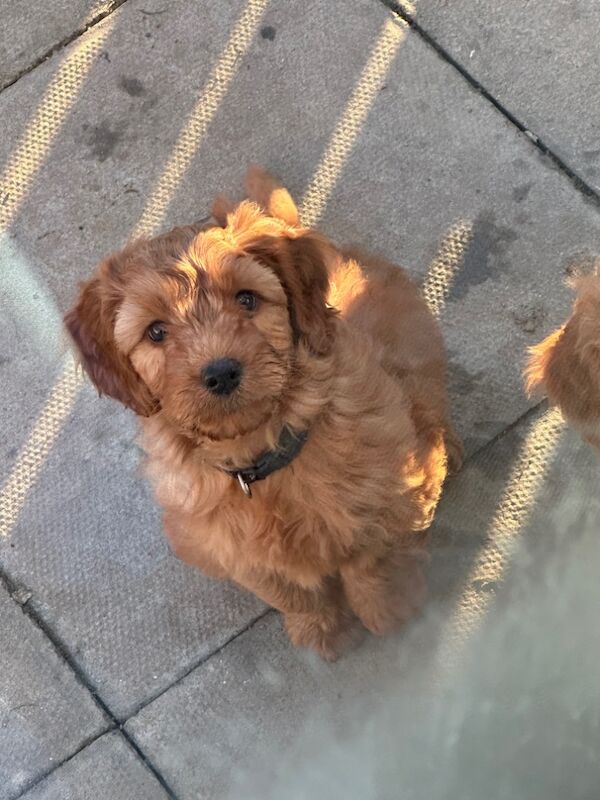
pixel 107 769
pixel 539 61
pixel 517 715
pixel 88 546
pixel 246 704
pixel 371 718
pixel 45 714
pixel 26 35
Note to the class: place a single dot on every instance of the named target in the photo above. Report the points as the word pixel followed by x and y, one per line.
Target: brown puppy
pixel 256 349
pixel 566 365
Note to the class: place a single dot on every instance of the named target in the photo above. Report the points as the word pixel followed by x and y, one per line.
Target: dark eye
pixel 247 299
pixel 156 331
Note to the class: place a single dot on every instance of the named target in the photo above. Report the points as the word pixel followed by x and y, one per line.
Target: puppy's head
pixel 209 327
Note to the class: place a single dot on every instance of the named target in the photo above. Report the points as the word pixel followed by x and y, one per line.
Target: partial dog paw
pixel 329 632
pixel 396 604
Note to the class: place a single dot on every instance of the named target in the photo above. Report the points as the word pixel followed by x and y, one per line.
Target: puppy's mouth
pixel 229 428
pixel 224 417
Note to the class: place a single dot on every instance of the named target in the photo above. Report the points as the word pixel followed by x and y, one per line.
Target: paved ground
pixel 464 147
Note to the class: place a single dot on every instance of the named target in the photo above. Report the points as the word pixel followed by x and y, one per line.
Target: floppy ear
pixel 91 324
pixel 300 263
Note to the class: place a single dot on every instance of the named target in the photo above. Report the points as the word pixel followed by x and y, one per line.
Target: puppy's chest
pixel 274 529
pixel 304 519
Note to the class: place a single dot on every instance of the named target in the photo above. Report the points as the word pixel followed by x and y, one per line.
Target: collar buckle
pixel 289 445
pixel 245 487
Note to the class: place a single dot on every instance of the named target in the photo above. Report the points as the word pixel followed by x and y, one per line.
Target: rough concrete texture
pixel 476 686
pixel 511 709
pixel 106 770
pixel 134 127
pixel 247 704
pixel 91 552
pixel 45 714
pixel 517 716
pixel 540 63
pixel 25 40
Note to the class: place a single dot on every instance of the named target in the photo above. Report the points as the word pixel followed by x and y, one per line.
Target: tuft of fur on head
pixel 270 195
pixel 300 258
pixel 267 192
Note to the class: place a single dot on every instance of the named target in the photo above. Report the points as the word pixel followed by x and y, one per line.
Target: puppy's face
pixel 206 328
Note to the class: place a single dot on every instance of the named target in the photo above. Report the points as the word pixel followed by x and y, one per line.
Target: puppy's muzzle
pixel 222 377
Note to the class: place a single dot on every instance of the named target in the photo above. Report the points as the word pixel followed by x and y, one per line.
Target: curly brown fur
pixel 566 365
pixel 340 345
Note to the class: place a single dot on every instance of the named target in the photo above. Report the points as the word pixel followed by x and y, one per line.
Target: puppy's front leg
pixel 316 618
pixel 385 590
pixel 187 546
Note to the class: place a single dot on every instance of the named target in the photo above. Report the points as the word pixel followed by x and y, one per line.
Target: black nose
pixel 222 376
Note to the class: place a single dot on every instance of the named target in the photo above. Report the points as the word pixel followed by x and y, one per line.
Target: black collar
pixel 289 445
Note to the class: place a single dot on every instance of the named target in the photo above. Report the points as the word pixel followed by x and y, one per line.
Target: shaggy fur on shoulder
pixel 330 342
pixel 566 365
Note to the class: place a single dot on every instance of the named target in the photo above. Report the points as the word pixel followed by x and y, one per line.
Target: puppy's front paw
pixel 328 632
pixel 396 602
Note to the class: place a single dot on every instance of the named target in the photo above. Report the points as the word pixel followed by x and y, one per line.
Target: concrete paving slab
pixel 91 552
pixel 511 535
pixel 539 62
pixel 107 769
pixel 411 163
pixel 516 715
pixel 26 37
pixel 45 713
pixel 248 701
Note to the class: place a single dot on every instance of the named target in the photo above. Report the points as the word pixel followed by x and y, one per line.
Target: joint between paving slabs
pixel 89 741
pixel 65 42
pixel 530 412
pixel 42 777
pixel 141 706
pixel 577 181
pixel 113 723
